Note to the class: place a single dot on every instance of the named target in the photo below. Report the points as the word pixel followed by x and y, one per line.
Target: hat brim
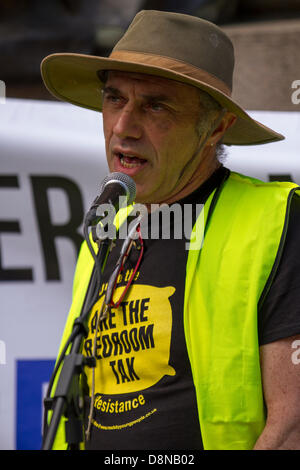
pixel 75 78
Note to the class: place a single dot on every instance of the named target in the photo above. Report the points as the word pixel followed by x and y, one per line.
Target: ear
pixel 226 122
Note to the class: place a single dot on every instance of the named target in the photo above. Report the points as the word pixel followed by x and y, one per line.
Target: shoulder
pixel 250 181
pixel 262 193
pixel 279 314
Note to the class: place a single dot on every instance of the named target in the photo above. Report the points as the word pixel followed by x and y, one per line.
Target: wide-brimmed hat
pixel 171 45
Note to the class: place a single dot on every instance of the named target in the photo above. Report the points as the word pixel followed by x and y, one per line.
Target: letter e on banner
pixel 49 231
pixel 12 226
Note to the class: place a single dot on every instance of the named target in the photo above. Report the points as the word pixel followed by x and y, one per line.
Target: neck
pixel 199 177
pixel 207 166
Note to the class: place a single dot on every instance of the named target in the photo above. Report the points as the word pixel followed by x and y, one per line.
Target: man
pixel 196 349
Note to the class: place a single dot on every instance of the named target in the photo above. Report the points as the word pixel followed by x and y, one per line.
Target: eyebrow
pixel 110 89
pixel 147 97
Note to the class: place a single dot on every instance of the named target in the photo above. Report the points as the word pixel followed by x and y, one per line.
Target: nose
pixel 127 124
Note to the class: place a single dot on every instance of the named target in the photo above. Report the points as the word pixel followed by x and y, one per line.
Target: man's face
pixel 150 130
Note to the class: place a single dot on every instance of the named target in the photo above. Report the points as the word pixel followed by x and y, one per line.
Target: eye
pixel 155 106
pixel 112 98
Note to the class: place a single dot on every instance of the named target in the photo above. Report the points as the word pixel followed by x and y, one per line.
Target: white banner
pixel 52 164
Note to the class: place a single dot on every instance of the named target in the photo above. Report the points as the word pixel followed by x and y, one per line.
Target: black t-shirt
pixel 144 392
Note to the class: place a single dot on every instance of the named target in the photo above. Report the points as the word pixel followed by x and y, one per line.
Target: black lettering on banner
pixel 281 177
pixel 12 226
pixel 48 231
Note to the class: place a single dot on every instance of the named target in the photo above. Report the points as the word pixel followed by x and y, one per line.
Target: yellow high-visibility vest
pixel 226 279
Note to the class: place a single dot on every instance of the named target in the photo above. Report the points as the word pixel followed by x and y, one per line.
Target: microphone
pixel 117 189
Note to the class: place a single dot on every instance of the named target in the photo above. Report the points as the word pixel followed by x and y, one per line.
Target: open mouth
pixel 130 161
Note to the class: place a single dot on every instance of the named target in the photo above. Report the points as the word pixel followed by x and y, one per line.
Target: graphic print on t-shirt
pixel 144 394
pixel 133 342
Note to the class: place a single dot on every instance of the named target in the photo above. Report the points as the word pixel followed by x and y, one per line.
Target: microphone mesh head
pixel 125 180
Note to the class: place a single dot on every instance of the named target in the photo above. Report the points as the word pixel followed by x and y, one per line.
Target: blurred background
pixel 265 33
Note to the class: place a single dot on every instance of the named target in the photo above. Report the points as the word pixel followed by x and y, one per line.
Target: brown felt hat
pixel 171 45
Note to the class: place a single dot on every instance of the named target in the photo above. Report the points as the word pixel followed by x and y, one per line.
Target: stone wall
pixel 267 63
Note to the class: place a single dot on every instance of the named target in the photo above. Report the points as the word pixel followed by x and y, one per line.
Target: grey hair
pixel 209 111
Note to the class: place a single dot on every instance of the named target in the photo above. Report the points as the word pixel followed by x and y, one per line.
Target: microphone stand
pixel 67 399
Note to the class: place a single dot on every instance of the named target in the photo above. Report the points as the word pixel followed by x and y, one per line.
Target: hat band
pixel 172 65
